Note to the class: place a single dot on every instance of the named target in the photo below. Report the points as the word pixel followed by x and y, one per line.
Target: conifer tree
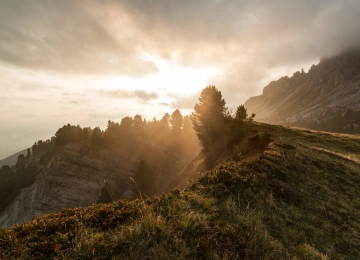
pixel 176 120
pixel 209 118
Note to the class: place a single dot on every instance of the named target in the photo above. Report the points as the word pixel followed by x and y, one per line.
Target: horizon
pixel 86 62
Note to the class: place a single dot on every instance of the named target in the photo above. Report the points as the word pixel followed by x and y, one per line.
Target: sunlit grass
pixel 297 200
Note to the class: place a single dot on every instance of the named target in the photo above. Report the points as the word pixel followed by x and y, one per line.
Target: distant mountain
pixel 12 159
pixel 326 98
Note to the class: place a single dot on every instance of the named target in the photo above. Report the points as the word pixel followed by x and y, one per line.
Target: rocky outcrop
pixel 333 83
pixel 76 174
pixel 70 180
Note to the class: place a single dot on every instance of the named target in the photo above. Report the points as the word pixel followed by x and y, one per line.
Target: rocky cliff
pixel 75 176
pixel 332 85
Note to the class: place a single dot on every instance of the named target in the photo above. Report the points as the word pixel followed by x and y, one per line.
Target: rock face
pixel 76 174
pixel 333 84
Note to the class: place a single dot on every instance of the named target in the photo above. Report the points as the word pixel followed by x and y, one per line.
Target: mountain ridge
pixel 296 199
pixel 334 84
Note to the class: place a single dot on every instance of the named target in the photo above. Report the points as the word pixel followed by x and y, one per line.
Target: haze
pixel 84 62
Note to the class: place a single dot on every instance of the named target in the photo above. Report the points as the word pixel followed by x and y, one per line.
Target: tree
pixel 176 120
pixel 236 127
pixel 85 133
pixel 105 195
pixel 126 126
pixel 144 180
pixel 21 161
pixel 28 153
pixel 241 112
pixel 251 118
pixel 209 118
pixel 139 125
pixel 163 126
pixel 96 137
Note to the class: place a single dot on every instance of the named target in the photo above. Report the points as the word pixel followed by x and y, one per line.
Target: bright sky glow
pixel 85 62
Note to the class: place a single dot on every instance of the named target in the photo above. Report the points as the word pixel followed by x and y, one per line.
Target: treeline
pixel 174 129
pixel 211 123
pixel 15 178
pixel 128 127
pixel 23 173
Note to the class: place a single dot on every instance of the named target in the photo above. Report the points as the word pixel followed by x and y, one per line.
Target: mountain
pixel 75 170
pixel 283 193
pixel 326 98
pixel 12 159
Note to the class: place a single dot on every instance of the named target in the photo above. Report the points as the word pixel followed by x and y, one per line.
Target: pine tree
pixel 209 118
pixel 176 120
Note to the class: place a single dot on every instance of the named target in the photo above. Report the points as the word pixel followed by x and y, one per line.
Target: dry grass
pixel 297 200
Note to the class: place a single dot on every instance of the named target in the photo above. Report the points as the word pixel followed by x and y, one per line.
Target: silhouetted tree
pixel 28 153
pixel 85 133
pixel 106 194
pixel 163 128
pixel 21 161
pixel 96 137
pixel 241 112
pixel 144 179
pixel 176 120
pixel 126 126
pixel 236 127
pixel 209 118
pixel 251 118
pixel 139 125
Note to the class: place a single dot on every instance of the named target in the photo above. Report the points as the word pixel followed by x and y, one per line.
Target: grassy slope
pixel 297 200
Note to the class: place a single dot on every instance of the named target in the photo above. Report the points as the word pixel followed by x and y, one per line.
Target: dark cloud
pixel 247 39
pixel 63 36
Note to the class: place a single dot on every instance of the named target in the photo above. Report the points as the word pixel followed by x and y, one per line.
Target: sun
pixel 180 80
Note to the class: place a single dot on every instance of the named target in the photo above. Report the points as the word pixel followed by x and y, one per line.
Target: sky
pixel 87 61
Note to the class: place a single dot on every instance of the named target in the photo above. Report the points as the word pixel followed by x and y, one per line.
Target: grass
pixel 298 199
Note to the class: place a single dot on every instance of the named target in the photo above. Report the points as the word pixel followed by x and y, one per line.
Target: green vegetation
pixel 298 198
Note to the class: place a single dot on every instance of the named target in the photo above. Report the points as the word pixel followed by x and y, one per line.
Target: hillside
pixel 325 98
pixel 298 198
pixel 78 168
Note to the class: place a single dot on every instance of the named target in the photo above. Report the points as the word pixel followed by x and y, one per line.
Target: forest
pixel 210 122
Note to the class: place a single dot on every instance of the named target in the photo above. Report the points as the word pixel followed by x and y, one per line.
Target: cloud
pixel 125 94
pixel 248 39
pixel 111 36
pixel 146 95
pixel 182 102
pixel 63 37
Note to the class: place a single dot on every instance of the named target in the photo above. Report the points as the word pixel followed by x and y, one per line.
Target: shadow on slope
pixel 291 201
